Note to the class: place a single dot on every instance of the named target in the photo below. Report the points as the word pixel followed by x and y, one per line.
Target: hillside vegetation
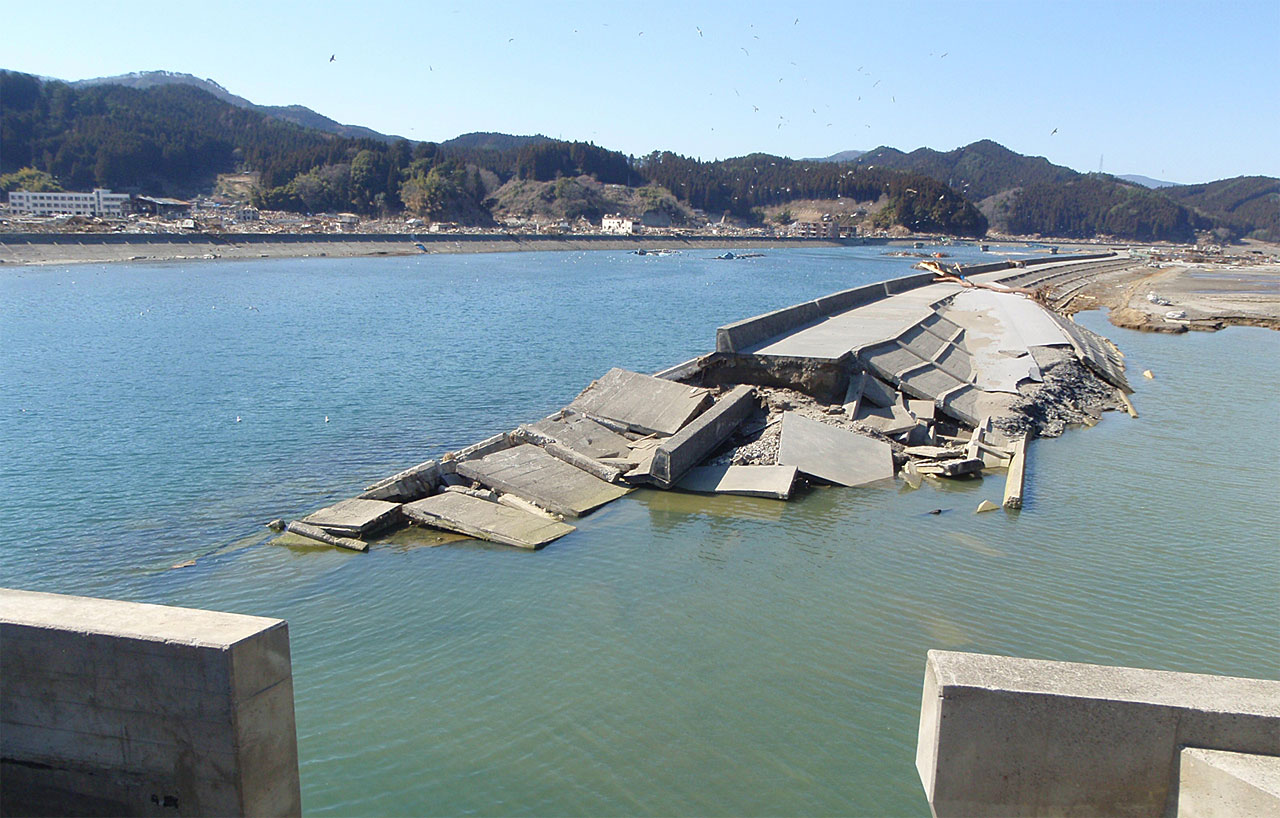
pixel 173 134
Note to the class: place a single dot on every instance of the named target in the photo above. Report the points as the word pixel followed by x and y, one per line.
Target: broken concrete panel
pixel 890 359
pixel 1097 352
pixel 928 382
pixel 643 402
pixel 642 454
pixel 950 468
pixel 922 409
pixel 833 454
pixel 986 505
pixel 853 395
pixel 410 484
pixel 590 465
pixel 582 434
pixel 752 481
pixel 529 472
pixel 912 475
pixel 878 392
pixel 1013 483
pixel 355 517
pixel 891 420
pixel 487 446
pixel 485 520
pixel 318 534
pixel 687 448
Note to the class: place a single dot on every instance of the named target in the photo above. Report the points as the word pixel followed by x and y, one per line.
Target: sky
pixel 1179 91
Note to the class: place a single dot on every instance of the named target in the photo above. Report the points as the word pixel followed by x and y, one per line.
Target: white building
pixel 618 226
pixel 98 203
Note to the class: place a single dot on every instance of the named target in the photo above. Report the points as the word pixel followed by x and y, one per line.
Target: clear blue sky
pixel 1184 91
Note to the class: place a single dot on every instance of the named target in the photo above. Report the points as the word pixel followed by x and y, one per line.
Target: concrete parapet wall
pixel 119 708
pixel 1006 736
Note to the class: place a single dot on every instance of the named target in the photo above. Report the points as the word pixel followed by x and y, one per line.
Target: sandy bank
pixel 1181 297
pixel 83 248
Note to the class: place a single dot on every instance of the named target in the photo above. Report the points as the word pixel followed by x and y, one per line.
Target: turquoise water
pixel 677 654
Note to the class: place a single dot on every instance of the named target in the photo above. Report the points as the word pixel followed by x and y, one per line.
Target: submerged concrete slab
pixel 529 472
pixel 120 708
pixel 484 520
pixel 686 449
pixel 1006 736
pixel 355 517
pixel 833 454
pixel 644 403
pixel 752 481
pixel 1221 784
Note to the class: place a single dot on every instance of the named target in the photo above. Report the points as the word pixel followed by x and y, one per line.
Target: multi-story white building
pixel 617 225
pixel 100 202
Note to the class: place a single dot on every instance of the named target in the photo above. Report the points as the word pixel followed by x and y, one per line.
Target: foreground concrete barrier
pixel 119 708
pixel 1005 736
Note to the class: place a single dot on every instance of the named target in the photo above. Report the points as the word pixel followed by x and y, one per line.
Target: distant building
pixel 100 202
pixel 815 230
pixel 161 207
pixel 248 214
pixel 618 226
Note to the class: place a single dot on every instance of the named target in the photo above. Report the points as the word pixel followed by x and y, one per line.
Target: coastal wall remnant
pixel 1008 736
pixel 740 336
pixel 121 708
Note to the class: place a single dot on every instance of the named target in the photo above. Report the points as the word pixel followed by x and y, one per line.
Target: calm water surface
pixel 677 654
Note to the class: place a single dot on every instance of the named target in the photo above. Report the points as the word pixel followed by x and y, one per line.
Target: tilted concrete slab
pixel 1221 784
pixel 410 484
pixel 891 420
pixel 1006 736
pixel 644 403
pixel 583 435
pixel 831 453
pixel 528 472
pixel 355 517
pixel 687 448
pixel 484 520
pixel 753 481
pixel 121 708
pixel 1098 352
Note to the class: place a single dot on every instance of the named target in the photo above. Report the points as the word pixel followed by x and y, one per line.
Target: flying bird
pixel 699 31
pixel 1054 131
pixel 333 57
pixel 944 55
pixel 755 108
pixel 744 51
pixel 797 22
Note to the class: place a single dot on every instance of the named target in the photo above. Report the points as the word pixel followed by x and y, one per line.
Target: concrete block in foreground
pixel 751 481
pixel 120 708
pixel 831 453
pixel 687 448
pixel 1006 736
pixel 1220 784
pixel 644 403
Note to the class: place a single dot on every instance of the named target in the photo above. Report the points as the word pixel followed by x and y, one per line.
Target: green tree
pixel 36 181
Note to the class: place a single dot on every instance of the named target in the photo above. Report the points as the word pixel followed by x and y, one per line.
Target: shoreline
pixel 73 248
pixel 84 248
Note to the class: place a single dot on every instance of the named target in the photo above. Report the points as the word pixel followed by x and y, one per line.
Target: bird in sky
pixel 755 108
pixel 944 55
pixel 744 51
pixel 333 57
pixel 797 22
pixel 699 31
pixel 1054 131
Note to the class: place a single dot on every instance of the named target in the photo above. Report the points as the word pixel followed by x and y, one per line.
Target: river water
pixel 677 654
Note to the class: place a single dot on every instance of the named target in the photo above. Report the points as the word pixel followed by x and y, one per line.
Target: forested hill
pixel 297 114
pixel 174 137
pixel 1249 204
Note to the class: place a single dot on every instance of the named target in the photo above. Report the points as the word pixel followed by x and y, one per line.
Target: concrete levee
pixel 120 708
pixel 1007 736
pixel 742 335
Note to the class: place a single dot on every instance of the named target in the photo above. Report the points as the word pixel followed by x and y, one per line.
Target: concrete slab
pixel 355 517
pixel 484 520
pixel 644 403
pixel 1098 352
pixel 410 484
pixel 583 435
pixel 1008 736
pixel 877 392
pixel 833 454
pixel 1221 784
pixel 891 420
pixel 687 448
pixel 642 454
pixel 922 409
pixel 529 472
pixel 752 481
